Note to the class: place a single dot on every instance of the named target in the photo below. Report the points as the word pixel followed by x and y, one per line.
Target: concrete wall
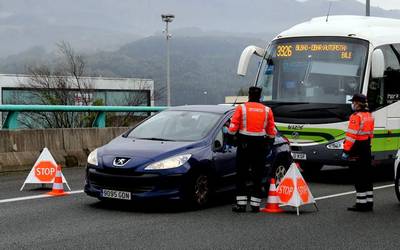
pixel 19 149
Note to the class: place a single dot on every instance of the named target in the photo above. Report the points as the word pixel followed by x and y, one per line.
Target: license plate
pixel 299 156
pixel 114 194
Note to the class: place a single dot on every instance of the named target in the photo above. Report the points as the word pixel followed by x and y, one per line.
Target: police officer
pixel 254 123
pixel 357 150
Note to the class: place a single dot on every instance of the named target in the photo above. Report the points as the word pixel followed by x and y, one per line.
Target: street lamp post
pixel 168 18
pixel 205 97
pixel 367 8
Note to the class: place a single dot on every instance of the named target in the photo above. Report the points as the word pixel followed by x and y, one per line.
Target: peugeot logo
pixel 120 161
pixel 295 135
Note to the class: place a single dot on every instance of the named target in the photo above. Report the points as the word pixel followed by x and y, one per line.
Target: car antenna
pixel 237 96
pixel 329 11
pixel 234 103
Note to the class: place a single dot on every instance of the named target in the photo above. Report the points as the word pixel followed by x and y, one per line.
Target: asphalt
pixel 79 221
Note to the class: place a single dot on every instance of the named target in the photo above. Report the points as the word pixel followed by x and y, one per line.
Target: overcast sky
pixel 92 25
pixel 384 4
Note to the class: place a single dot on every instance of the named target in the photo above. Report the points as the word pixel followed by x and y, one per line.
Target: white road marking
pixel 81 191
pixel 351 192
pixel 33 197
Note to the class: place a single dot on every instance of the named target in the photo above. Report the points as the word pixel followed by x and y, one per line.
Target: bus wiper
pixel 155 139
pixel 293 103
pixel 323 109
pixel 285 103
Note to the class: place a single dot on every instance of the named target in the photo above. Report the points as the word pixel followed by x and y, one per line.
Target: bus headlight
pixel 336 145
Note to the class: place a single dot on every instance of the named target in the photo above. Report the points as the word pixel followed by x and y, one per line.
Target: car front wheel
pixel 281 166
pixel 198 190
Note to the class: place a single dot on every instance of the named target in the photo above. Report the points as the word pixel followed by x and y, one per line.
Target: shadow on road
pixel 142 207
pixel 343 175
pixel 328 175
pixel 159 206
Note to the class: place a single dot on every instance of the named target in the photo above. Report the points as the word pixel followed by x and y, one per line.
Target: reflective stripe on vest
pixel 360 134
pixel 244 129
pixel 266 117
pixel 244 115
pixel 362 131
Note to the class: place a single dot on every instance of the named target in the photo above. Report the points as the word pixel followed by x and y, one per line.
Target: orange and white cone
pixel 273 200
pixel 58 187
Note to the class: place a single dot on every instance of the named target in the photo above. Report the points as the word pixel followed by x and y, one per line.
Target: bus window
pixel 386 90
pixel 325 70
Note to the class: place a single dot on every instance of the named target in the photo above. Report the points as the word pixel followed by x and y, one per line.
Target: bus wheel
pixel 397 183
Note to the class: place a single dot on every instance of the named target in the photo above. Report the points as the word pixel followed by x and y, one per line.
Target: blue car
pixel 177 154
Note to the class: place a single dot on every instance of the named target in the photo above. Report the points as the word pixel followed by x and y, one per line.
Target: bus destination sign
pixel 288 50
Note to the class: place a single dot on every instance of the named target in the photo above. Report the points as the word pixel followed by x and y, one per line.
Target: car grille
pixel 139 184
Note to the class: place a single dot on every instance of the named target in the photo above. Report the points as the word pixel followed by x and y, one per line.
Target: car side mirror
pixel 378 64
pixel 217 145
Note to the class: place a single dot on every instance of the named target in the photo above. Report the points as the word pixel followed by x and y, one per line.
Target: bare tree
pixel 140 97
pixel 65 83
pixel 60 84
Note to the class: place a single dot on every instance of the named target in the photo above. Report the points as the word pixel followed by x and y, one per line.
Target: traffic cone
pixel 58 187
pixel 273 200
pixel 299 167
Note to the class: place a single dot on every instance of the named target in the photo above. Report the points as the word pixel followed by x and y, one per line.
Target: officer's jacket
pixel 254 119
pixel 361 128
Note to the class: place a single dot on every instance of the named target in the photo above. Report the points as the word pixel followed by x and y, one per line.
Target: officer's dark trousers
pixel 360 157
pixel 250 162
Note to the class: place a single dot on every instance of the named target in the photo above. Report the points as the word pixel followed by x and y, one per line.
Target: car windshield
pixel 176 126
pixel 313 70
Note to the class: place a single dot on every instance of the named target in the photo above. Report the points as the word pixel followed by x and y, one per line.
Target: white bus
pixel 309 72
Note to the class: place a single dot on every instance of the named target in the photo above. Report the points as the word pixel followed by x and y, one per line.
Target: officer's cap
pixel 359 98
pixel 255 90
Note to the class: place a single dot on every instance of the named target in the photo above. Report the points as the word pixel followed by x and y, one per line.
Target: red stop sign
pixel 286 189
pixel 45 171
pixel 302 188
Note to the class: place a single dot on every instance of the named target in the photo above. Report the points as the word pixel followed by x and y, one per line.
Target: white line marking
pixel 35 197
pixel 76 192
pixel 334 195
pixel 81 191
pixel 351 192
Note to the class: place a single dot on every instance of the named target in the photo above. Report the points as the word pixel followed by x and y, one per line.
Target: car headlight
pixel 92 158
pixel 336 145
pixel 172 162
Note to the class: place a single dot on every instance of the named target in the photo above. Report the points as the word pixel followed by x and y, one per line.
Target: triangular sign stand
pixel 44 170
pixel 293 189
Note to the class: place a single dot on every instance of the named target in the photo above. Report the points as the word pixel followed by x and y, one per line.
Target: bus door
pixel 384 100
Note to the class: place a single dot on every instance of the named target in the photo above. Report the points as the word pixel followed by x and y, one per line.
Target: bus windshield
pixel 313 70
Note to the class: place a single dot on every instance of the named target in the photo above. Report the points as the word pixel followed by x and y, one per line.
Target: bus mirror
pixel 378 64
pixel 245 58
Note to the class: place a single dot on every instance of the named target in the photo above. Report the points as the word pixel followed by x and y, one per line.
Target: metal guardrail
pixel 11 121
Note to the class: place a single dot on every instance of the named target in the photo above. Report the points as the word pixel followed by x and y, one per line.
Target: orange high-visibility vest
pixel 361 128
pixel 254 119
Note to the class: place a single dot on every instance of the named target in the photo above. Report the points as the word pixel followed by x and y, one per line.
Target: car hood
pixel 142 152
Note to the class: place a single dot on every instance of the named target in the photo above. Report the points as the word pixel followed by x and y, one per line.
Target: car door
pixel 224 159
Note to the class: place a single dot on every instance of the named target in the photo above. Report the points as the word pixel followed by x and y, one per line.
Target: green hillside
pixel 197 65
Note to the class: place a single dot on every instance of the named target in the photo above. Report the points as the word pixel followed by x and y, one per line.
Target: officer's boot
pixel 358 207
pixel 239 208
pixel 370 200
pixel 255 204
pixel 362 202
pixel 241 203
